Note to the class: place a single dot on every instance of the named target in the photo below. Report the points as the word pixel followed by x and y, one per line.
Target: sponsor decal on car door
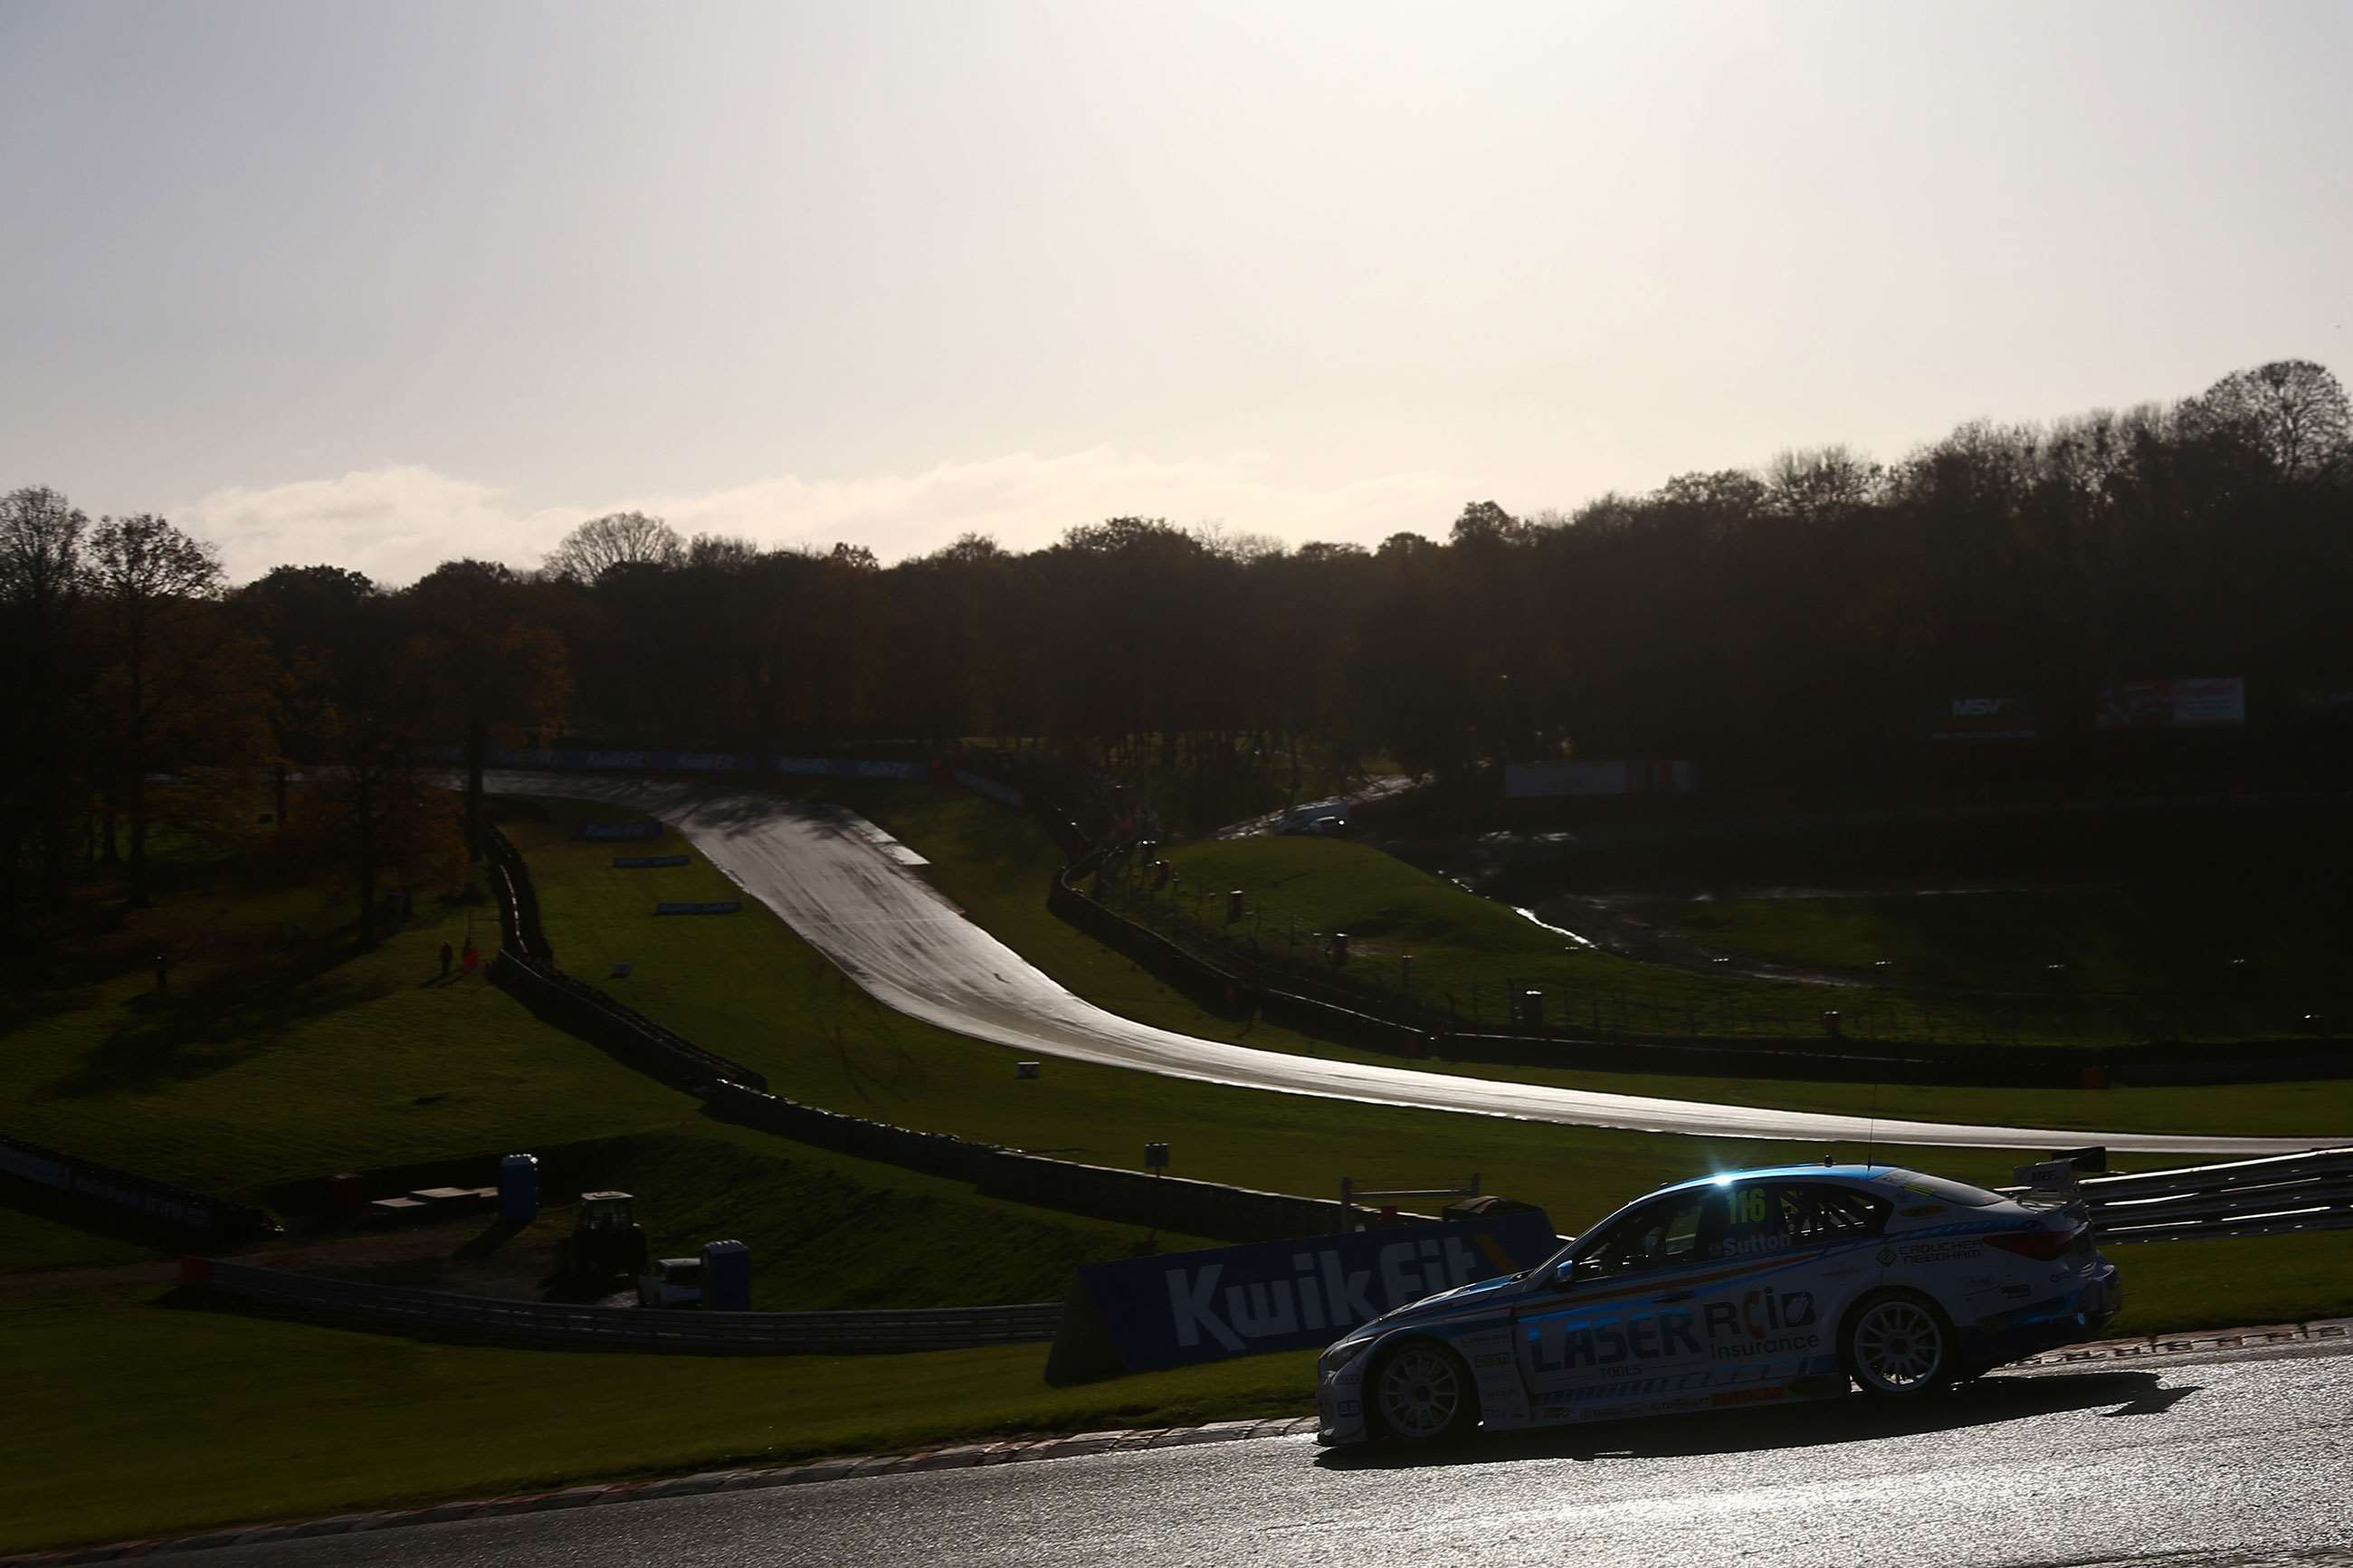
pixel 1619 1326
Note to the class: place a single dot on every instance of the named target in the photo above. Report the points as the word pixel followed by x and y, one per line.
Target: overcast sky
pixel 382 284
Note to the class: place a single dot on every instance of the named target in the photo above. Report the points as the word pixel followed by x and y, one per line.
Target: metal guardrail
pixel 127 1190
pixel 2275 1196
pixel 557 1324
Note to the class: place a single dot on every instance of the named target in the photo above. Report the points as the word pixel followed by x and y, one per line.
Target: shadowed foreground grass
pixel 184 1417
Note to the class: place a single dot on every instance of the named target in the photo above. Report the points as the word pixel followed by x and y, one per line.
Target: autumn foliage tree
pixel 181 682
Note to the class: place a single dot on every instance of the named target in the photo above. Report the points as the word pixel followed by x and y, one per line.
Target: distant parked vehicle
pixel 1327 818
pixel 605 1240
pixel 1748 1288
pixel 671 1282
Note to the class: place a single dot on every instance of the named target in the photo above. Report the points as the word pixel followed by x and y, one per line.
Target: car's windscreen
pixel 1939 1188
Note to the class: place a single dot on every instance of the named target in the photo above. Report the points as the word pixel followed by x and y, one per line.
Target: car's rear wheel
pixel 1898 1345
pixel 1422 1392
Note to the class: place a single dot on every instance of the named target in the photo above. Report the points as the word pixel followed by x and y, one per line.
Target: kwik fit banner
pixel 618 830
pixel 1189 1307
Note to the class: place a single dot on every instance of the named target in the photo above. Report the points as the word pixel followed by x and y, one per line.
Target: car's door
pixel 1787 1255
pixel 1616 1325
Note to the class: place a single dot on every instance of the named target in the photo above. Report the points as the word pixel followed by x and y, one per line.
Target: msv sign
pixel 1146 1312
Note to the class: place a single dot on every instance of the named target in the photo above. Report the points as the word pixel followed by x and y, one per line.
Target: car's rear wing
pixel 2053 1183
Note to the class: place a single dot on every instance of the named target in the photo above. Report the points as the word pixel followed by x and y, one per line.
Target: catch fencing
pixel 557 1324
pixel 2277 1196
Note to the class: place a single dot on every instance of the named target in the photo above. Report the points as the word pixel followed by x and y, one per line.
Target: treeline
pixel 1778 625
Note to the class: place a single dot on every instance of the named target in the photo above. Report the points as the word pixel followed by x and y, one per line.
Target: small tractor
pixel 605 1241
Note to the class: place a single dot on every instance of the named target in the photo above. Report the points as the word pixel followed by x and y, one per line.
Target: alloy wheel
pixel 1422 1394
pixel 1899 1347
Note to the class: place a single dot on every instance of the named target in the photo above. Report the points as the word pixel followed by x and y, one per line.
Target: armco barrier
pixel 936 1153
pixel 571 760
pixel 1098 1192
pixel 557 1324
pixel 581 1009
pixel 2277 1197
pixel 520 931
pixel 525 969
pixel 89 1180
pixel 1166 1202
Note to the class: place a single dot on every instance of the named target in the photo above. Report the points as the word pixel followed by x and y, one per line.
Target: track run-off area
pixel 831 877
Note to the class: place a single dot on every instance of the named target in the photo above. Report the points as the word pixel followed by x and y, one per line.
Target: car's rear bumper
pixel 2069 1317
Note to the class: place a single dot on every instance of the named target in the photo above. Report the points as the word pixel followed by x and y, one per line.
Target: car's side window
pixel 1820 1216
pixel 1749 1220
pixel 1658 1235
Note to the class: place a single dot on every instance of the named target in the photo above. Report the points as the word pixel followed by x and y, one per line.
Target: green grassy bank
pixel 993 861
pixel 746 986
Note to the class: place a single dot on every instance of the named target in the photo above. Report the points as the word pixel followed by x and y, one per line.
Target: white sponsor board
pixel 2174 704
pixel 1529 781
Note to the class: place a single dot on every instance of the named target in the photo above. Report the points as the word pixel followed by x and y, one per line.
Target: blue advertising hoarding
pixel 618 830
pixel 1187 1307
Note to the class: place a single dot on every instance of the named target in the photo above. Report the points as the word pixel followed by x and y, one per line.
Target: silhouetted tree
pixel 620 538
pixel 41 581
pixel 179 680
pixel 2293 410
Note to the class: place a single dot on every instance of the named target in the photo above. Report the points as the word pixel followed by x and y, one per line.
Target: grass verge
pixel 830 1233
pixel 276 1052
pixel 1468 953
pixel 222 1417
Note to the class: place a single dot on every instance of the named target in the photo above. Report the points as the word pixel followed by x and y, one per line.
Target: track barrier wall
pixel 1142 1313
pixel 2278 1196
pixel 578 760
pixel 558 1325
pixel 88 1179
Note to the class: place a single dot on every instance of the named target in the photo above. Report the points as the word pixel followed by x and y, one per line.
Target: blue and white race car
pixel 1748 1288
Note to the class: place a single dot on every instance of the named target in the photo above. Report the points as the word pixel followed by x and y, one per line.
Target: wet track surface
pixel 2233 1457
pixel 821 869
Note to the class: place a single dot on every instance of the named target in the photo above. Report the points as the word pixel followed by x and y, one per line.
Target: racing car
pixel 1746 1288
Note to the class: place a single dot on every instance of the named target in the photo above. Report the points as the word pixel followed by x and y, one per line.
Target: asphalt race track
pixel 2234 1457
pixel 822 869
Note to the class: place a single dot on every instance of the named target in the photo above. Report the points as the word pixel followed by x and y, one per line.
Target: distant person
pixel 472 957
pixel 448 952
pixel 163 971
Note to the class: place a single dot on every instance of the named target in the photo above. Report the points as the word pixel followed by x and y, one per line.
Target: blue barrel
pixel 726 1276
pixel 518 1188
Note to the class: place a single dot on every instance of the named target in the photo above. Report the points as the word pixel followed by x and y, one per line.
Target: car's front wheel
pixel 1422 1394
pixel 1897 1345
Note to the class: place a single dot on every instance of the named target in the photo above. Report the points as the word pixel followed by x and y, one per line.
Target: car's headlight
pixel 1340 1355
